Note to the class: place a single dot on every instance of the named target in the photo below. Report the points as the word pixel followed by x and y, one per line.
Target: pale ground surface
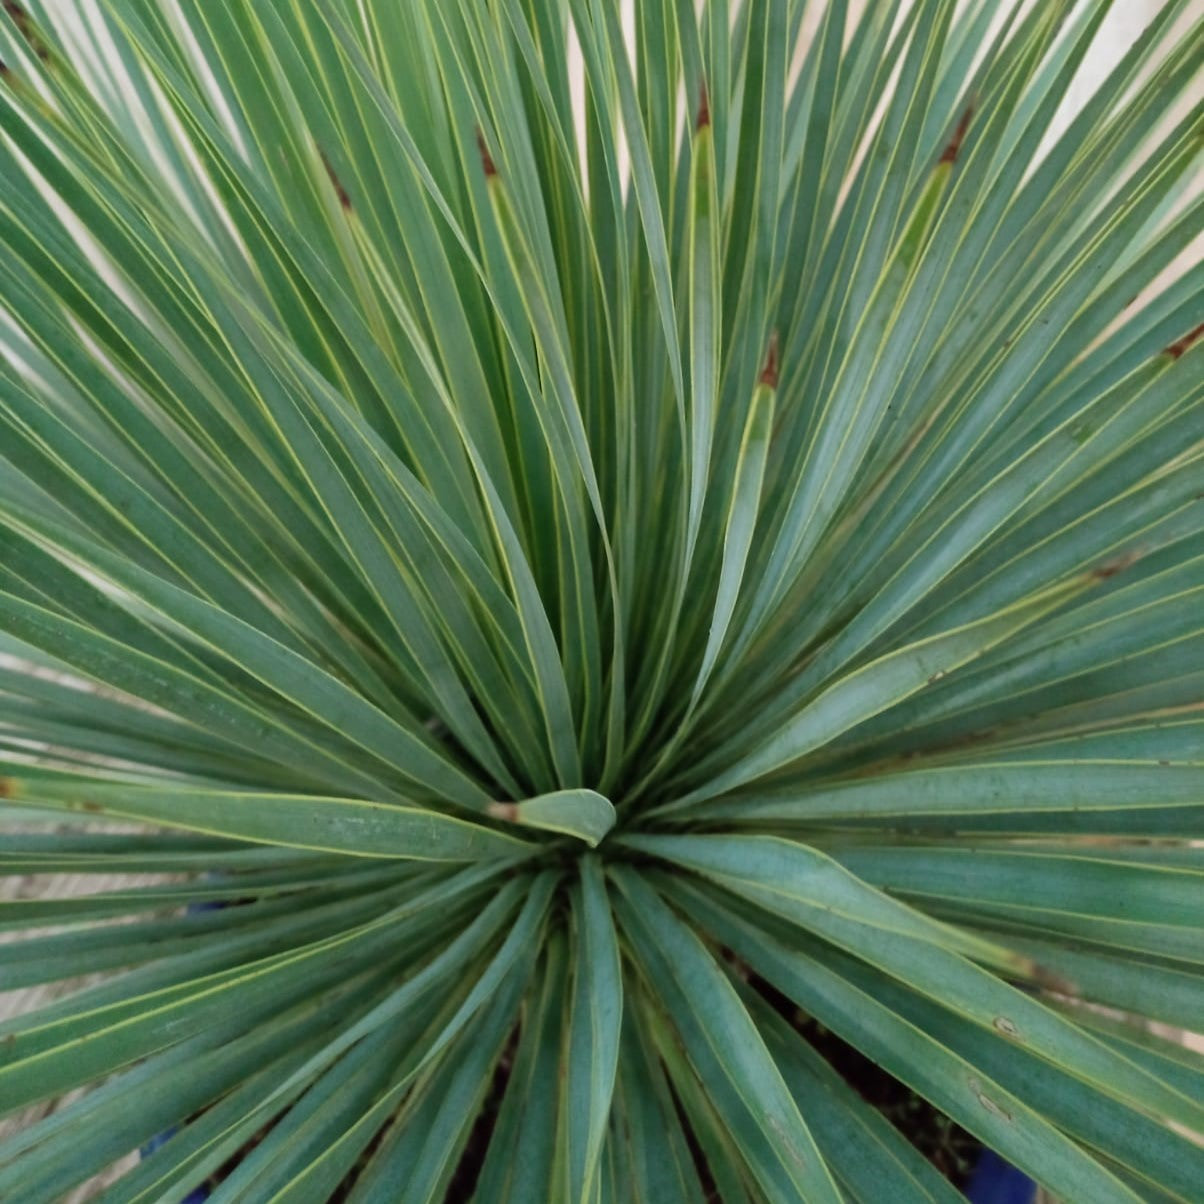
pixel 1123 24
pixel 13 1003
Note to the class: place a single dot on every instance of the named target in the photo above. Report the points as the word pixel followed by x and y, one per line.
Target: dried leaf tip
pixel 950 153
pixel 769 373
pixel 704 107
pixel 506 811
pixel 7 789
pixel 1117 564
pixel 1049 980
pixel 24 23
pixel 1179 346
pixel 487 163
pixel 337 184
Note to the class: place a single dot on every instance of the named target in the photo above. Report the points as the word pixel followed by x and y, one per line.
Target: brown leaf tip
pixel 1049 980
pixel 1179 346
pixel 7 788
pixel 487 163
pixel 336 183
pixel 704 107
pixel 1117 564
pixel 950 153
pixel 24 23
pixel 769 373
pixel 506 811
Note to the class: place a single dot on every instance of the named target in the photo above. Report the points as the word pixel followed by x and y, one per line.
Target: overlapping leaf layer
pixel 556 533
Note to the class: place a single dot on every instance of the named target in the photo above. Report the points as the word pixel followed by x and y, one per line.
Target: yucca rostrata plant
pixel 600 581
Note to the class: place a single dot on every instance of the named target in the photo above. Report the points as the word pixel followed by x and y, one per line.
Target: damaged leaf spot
pixel 1052 981
pixel 487 163
pixel 950 153
pixel 987 1102
pixel 25 27
pixel 336 183
pixel 704 107
pixel 1005 1026
pixel 769 373
pixel 1117 564
pixel 1179 346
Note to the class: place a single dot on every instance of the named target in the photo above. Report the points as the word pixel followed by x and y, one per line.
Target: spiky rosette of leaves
pixel 558 565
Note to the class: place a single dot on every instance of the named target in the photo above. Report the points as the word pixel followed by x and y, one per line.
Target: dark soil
pixel 941 1140
pixel 948 1146
pixel 468 1171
